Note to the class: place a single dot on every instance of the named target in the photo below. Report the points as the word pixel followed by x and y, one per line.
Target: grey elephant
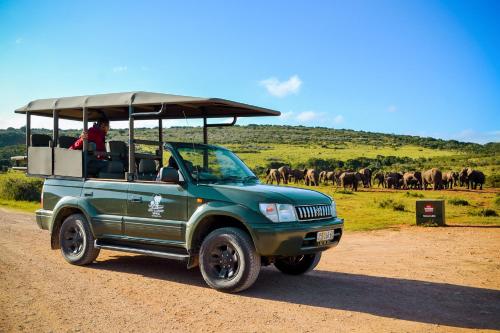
pixel 447 181
pixel 273 175
pixel 412 179
pixel 475 178
pixel 285 172
pixel 297 175
pixel 433 177
pixel 311 177
pixel 322 177
pixel 396 179
pixel 350 179
pixel 336 177
pixel 366 175
pixel 380 178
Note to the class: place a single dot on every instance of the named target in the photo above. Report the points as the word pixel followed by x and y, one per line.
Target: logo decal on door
pixel 154 206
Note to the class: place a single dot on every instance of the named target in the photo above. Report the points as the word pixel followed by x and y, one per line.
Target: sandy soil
pixel 408 280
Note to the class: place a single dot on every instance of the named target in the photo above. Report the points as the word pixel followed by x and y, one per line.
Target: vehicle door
pixel 107 204
pixel 156 211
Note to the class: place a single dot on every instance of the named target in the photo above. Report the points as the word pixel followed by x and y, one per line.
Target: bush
pixel 486 212
pixel 389 203
pixel 20 188
pixel 458 202
pixel 344 191
pixel 493 180
pixel 414 195
pixel 497 200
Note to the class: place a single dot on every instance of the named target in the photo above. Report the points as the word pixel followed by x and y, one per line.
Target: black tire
pixel 228 260
pixel 77 241
pixel 298 265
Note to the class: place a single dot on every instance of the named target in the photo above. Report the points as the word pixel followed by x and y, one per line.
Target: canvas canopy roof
pixel 115 107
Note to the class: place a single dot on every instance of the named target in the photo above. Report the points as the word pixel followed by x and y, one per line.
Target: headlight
pixel 334 208
pixel 278 212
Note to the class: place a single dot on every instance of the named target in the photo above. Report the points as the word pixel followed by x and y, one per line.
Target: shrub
pixel 389 203
pixel 493 180
pixel 497 200
pixel 414 195
pixel 458 202
pixel 486 212
pixel 344 191
pixel 20 188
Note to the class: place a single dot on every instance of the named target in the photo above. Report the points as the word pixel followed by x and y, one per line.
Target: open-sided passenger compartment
pixel 50 156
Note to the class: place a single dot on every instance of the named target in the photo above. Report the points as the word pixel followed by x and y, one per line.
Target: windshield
pixel 208 164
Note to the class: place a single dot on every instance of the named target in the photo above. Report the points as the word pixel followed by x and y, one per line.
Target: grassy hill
pixel 262 146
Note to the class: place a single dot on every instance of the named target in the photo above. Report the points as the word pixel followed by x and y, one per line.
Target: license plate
pixel 324 236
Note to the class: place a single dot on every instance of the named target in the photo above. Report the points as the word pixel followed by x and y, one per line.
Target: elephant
pixel 432 176
pixel 311 177
pixel 322 177
pixel 336 177
pixel 330 176
pixel 379 176
pixel 396 179
pixel 285 172
pixel 273 175
pixel 447 181
pixel 475 178
pixel 412 180
pixel 392 182
pixel 350 179
pixel 462 176
pixel 297 175
pixel 366 175
pixel 455 177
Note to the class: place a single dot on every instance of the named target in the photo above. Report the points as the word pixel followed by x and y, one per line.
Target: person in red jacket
pixel 96 134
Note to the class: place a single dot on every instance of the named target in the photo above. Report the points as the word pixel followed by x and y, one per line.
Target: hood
pixel 257 193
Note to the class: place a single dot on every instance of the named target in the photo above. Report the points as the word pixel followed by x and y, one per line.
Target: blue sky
pixel 427 68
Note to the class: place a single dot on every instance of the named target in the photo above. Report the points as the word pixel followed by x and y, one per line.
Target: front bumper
pixel 291 239
pixel 43 218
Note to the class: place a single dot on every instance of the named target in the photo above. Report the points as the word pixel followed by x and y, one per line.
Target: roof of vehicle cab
pixel 115 106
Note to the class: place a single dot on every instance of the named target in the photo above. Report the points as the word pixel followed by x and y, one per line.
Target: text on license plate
pixel 325 235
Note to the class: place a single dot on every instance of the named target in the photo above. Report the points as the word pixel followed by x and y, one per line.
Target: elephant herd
pixel 434 178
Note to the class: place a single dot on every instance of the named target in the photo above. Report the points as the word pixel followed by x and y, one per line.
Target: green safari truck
pixel 193 202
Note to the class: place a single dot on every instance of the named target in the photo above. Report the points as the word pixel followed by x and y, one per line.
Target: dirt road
pixel 414 279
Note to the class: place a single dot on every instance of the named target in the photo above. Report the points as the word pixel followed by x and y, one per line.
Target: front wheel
pixel 77 241
pixel 228 260
pixel 297 265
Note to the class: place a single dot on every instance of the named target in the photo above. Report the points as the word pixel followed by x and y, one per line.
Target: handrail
pixel 223 124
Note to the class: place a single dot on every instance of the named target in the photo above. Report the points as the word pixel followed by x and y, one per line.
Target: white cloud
pixel 470 135
pixel 119 69
pixel 286 115
pixel 307 116
pixel 19 40
pixel 339 119
pixel 282 88
pixel 392 109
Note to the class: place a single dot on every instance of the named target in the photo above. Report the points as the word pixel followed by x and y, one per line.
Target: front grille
pixel 313 212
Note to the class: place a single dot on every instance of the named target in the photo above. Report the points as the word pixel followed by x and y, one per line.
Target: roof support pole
pixel 55 131
pixel 131 144
pixel 160 139
pixel 85 141
pixel 205 131
pixel 28 131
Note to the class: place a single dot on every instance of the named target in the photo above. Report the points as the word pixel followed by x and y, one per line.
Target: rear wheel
pixel 228 260
pixel 77 241
pixel 297 265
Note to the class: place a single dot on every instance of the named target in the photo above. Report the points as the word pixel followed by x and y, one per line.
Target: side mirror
pixel 169 175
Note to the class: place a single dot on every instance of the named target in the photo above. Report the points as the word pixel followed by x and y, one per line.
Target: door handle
pixel 136 199
pixel 88 194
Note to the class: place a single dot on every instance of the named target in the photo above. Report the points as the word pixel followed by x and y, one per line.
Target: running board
pixel 167 255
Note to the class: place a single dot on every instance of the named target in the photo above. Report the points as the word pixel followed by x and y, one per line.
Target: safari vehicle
pixel 192 202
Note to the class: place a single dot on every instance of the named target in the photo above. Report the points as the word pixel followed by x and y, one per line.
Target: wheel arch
pixel 211 222
pixel 60 215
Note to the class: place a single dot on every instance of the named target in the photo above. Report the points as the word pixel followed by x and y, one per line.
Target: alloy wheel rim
pixel 224 261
